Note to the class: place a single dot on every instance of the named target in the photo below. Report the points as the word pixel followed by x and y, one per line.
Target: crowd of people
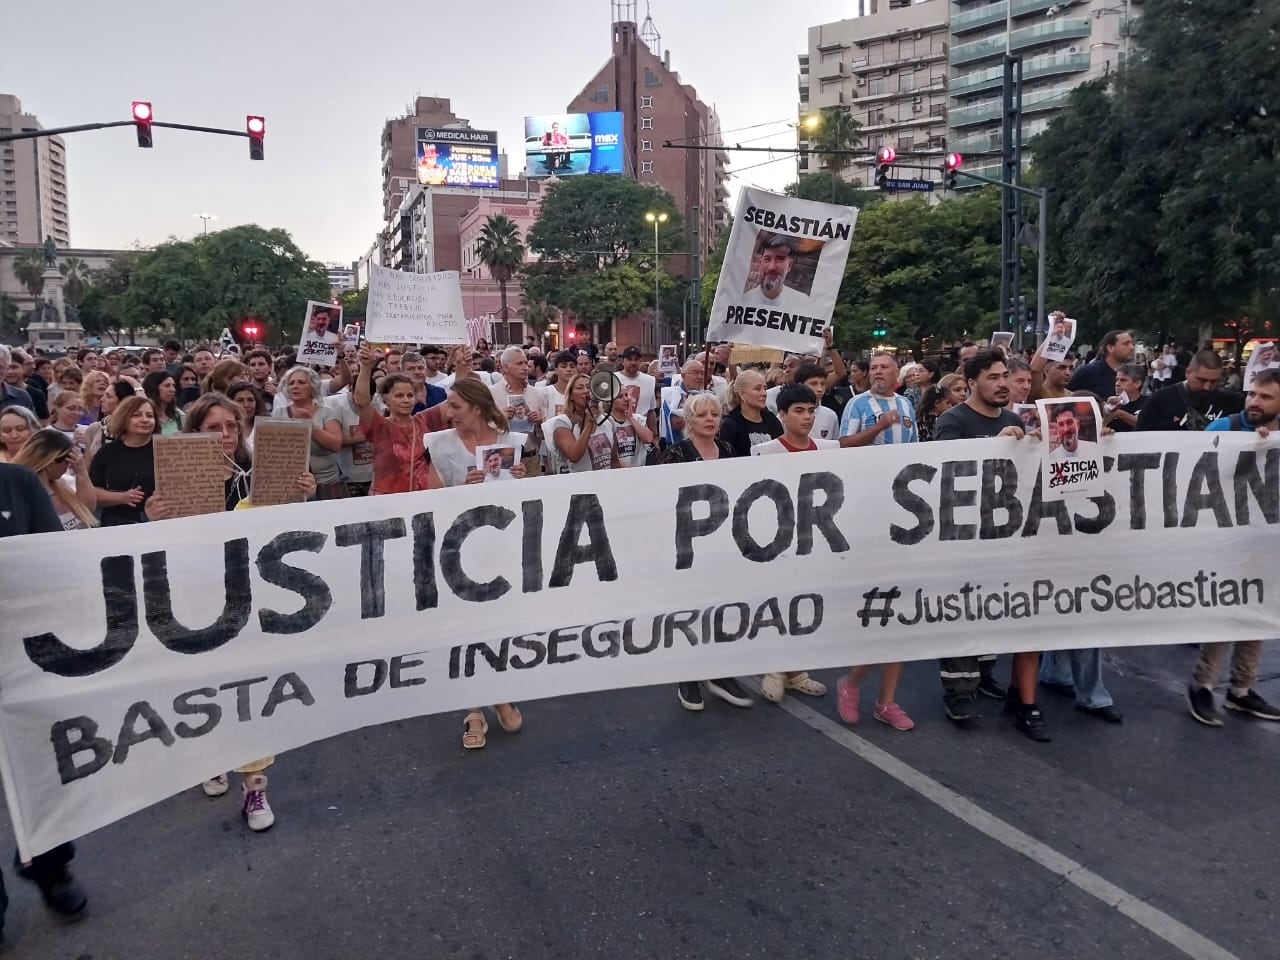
pixel 76 435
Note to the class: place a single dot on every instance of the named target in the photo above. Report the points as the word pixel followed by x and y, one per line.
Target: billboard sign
pixel 569 144
pixel 457 158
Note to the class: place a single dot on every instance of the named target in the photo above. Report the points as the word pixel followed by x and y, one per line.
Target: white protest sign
pixel 321 334
pixel 415 307
pixel 200 644
pixel 1058 341
pixel 781 272
pixel 1003 339
pixel 1070 429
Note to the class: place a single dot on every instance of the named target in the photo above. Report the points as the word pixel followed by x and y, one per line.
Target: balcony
pixel 976 17
pixel 832 46
pixel 1049 31
pixel 836 70
pixel 1039 67
pixel 981 50
pixel 1022 7
pixel 993 109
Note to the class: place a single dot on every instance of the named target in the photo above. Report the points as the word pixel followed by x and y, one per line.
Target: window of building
pixel 646 103
pixel 646 166
pixel 875 87
pixel 906 48
pixel 646 123
pixel 906 82
pixel 875 54
pixel 875 116
pixel 646 145
pixel 937 110
pixel 906 144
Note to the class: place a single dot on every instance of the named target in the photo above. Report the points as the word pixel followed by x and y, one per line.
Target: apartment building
pixel 888 68
pixel 1063 43
pixel 33 181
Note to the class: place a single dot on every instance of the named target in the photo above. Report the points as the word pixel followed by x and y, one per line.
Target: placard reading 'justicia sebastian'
pixel 196 645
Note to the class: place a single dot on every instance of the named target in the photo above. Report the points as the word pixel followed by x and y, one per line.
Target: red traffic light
pixel 886 155
pixel 954 161
pixel 256 127
pixel 142 117
pixel 250 330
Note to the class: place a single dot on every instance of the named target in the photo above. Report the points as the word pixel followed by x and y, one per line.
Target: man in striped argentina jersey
pixel 880 415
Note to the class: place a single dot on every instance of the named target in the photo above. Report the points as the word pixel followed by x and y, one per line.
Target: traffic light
pixel 880 332
pixel 142 121
pixel 250 331
pixel 884 157
pixel 256 127
pixel 950 164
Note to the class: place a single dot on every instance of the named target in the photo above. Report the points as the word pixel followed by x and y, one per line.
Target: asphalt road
pixel 618 825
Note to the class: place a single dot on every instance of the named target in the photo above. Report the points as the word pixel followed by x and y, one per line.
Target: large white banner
pixel 415 307
pixel 138 662
pixel 781 272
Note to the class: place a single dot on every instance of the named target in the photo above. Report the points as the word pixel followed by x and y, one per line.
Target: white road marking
pixel 1158 922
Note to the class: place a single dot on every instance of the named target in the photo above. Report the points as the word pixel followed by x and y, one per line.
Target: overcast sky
pixel 326 75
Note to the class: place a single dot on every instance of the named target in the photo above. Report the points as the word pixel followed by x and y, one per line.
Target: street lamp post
pixel 206 217
pixel 655 219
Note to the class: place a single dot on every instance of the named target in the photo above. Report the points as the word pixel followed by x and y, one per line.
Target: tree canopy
pixel 198 287
pixel 596 247
pixel 1166 186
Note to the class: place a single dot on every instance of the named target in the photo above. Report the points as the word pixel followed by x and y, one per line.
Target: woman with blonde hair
pixel 17 424
pixel 123 471
pixel 701 427
pixel 216 413
pixel 477 422
pixel 578 441
pixel 51 455
pixel 94 385
pixel 749 421
pixel 65 411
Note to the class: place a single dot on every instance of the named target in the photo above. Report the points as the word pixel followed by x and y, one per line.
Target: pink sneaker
pixel 847 701
pixel 893 715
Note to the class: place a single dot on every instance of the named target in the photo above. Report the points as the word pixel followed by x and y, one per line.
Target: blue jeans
pixel 1081 669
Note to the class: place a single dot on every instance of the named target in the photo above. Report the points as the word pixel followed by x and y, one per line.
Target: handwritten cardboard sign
pixel 190 470
pixel 415 307
pixel 281 454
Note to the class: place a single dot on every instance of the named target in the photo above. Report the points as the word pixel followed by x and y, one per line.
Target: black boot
pixel 51 873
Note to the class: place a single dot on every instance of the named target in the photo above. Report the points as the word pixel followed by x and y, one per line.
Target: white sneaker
pixel 216 786
pixel 774 687
pixel 256 810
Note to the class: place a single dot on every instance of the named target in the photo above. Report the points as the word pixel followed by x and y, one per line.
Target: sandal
pixel 802 683
pixel 509 717
pixel 474 728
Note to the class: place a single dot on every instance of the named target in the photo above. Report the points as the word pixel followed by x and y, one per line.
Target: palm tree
pixel 501 250
pixel 29 269
pixel 76 278
pixel 838 130
pixel 537 316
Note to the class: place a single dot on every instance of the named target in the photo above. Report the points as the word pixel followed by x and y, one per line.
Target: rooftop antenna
pixel 624 11
pixel 649 34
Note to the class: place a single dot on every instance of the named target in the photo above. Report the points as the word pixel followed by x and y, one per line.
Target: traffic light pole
pixel 59 131
pixel 1042 268
pixel 1010 208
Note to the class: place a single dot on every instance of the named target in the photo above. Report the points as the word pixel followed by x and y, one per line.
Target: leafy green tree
pixel 537 315
pixel 9 316
pixel 198 287
pixel 501 250
pixel 355 303
pixel 1167 190
pixel 28 267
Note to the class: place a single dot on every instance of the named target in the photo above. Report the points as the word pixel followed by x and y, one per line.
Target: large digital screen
pixel 457 158
pixel 569 144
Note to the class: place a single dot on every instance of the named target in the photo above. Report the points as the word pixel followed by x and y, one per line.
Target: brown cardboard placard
pixel 281 454
pixel 190 473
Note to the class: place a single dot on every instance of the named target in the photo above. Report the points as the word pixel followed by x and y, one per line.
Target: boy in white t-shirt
pixel 826 425
pixel 796 405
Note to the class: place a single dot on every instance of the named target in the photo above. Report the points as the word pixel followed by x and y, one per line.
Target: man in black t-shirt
pixel 1194 403
pixel 1098 376
pixel 25 508
pixel 984 415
